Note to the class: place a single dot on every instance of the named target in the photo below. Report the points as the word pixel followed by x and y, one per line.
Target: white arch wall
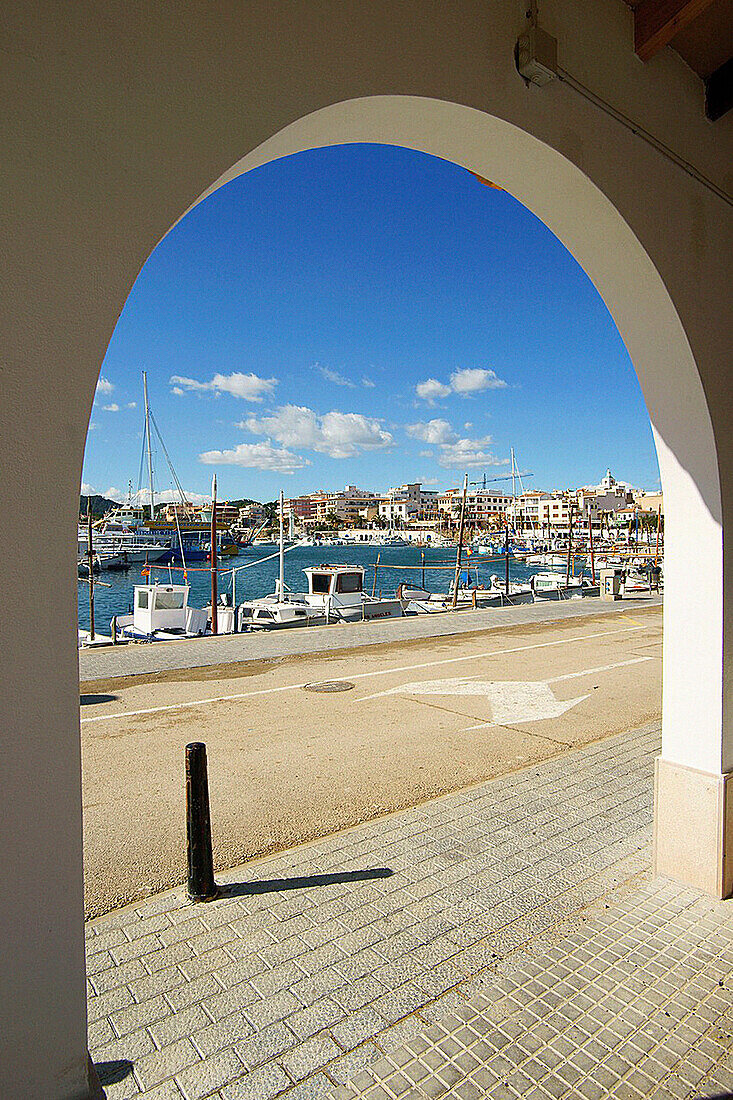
pixel 117 117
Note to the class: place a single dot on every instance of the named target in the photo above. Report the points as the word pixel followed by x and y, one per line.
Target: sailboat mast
pixel 460 543
pixel 214 594
pixel 90 561
pixel 149 445
pixel 281 586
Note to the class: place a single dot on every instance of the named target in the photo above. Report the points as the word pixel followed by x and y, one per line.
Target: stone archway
pixel 596 234
pixel 102 163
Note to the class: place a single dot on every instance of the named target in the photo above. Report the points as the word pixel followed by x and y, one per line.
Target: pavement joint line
pixel 358 676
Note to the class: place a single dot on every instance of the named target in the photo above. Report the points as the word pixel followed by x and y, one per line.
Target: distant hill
pixel 100 505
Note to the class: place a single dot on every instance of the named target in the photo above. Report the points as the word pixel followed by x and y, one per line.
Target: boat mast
pixel 460 543
pixel 281 585
pixel 570 545
pixel 214 597
pixel 90 560
pixel 149 446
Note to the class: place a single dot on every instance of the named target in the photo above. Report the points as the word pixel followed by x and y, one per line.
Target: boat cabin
pixel 344 584
pixel 126 517
pixel 163 608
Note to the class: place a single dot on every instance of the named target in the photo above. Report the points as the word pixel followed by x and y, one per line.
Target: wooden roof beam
pixel 656 22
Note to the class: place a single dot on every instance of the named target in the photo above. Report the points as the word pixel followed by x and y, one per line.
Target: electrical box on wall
pixel 536 55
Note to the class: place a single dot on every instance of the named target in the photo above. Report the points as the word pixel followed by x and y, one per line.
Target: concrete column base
pixel 693 827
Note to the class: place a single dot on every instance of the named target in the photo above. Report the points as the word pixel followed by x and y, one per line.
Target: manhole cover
pixel 329 685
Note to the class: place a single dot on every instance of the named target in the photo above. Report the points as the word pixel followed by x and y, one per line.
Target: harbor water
pixel 397 564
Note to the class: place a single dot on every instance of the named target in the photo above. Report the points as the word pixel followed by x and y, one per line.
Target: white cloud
pixel 258 456
pixel 131 405
pixel 431 390
pixel 339 435
pixel 475 380
pixel 334 377
pixel 367 382
pixel 113 408
pixel 427 480
pixel 463 382
pixel 434 431
pixel 248 387
pixel 104 385
pixel 468 453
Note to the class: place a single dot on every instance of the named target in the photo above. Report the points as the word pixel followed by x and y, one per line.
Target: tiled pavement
pixel 502 941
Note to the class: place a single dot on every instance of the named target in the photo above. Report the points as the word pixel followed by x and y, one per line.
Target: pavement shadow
pixel 109 1073
pixel 85 700
pixel 272 885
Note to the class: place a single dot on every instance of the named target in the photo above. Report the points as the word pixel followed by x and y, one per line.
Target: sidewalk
pixel 501 941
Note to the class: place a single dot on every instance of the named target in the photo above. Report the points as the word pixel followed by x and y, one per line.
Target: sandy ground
pixel 287 764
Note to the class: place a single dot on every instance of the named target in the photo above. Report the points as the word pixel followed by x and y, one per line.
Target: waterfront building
pixel 523 512
pixel 650 503
pixel 226 514
pixel 485 508
pixel 182 511
pixel 252 515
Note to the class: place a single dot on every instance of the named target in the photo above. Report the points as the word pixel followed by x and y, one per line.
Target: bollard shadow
pixel 109 1073
pixel 273 885
pixel 85 700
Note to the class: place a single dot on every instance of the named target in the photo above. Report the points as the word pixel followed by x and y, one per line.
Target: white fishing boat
pixel 419 601
pixel 161 613
pixel 272 613
pixel 335 594
pixel 547 558
pixel 518 592
pixel 554 586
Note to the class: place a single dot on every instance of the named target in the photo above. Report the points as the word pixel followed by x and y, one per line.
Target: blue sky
pixel 366 315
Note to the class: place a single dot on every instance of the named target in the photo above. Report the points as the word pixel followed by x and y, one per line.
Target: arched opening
pixel 216 296
pixel 613 257
pixel 616 257
pixel 575 209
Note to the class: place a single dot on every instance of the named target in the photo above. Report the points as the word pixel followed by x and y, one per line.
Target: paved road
pixel 135 659
pixel 288 764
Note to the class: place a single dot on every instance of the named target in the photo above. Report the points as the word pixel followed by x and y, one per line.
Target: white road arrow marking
pixel 510 700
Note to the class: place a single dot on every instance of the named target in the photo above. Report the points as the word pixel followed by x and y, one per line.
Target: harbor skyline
pixel 416 324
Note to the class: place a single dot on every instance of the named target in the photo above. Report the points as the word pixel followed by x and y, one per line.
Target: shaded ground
pixel 288 764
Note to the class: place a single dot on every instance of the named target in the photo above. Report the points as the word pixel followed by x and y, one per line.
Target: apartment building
pixel 484 507
pixel 251 515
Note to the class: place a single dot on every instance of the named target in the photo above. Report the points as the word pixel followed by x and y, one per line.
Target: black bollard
pixel 201 884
